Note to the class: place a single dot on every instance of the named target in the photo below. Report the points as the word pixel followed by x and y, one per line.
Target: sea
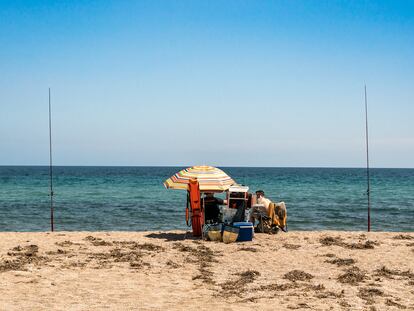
pixel 134 198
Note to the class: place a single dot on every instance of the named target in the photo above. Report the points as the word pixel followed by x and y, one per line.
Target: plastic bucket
pixel 230 234
pixel 214 232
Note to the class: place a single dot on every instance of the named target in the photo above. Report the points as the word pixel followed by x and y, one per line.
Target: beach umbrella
pixel 209 178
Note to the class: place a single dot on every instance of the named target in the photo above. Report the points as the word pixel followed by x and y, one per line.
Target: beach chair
pixel 264 225
pixel 272 220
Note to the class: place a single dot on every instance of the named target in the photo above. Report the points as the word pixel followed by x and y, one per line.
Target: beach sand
pixel 325 270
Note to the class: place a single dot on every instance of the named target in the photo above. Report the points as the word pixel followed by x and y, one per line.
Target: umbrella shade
pixel 210 179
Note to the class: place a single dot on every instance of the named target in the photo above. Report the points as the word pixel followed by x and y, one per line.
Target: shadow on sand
pixel 171 236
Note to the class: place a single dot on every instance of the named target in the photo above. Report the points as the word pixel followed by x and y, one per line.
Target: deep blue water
pixel 134 198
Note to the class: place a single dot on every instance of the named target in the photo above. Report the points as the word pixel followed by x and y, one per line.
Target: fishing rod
pixel 368 177
pixel 50 166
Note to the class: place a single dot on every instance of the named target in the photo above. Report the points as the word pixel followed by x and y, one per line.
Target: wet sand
pixel 172 271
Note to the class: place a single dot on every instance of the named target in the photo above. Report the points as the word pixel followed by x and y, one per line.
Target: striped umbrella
pixel 210 179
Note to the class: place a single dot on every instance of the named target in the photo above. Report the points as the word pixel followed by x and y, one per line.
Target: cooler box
pixel 245 232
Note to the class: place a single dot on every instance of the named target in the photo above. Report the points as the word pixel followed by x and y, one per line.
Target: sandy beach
pixel 172 271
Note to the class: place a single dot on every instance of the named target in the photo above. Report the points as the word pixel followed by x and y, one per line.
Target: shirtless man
pixel 260 200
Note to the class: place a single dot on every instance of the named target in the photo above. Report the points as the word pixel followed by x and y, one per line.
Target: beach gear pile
pixel 231 219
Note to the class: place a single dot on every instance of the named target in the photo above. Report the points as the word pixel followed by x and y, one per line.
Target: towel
pixel 278 214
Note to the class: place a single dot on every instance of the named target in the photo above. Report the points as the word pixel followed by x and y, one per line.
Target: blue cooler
pixel 245 232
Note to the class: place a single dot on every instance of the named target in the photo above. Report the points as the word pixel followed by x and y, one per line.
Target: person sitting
pixel 261 199
pixel 211 207
pixel 260 209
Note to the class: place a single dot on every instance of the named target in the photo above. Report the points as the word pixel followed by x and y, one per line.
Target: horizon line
pixel 224 166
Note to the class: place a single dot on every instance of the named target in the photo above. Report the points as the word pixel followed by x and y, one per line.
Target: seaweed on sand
pixel 119 255
pixel 279 287
pixel 369 293
pixel 104 260
pixel 204 275
pixel 137 246
pixel 201 254
pixel 298 275
pixel 172 264
pixel 236 287
pixel 403 237
pixel 66 243
pixel 97 241
pixel 352 276
pixel 301 287
pixel 388 273
pixel 203 257
pixel 248 276
pixel 150 247
pixel 338 241
pixel 367 245
pixel 21 257
pixel 330 294
pixel 391 303
pixel 291 246
pixel 182 248
pixel 329 241
pixel 57 252
pixel 341 261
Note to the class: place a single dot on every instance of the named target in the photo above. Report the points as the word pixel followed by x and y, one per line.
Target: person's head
pixel 260 193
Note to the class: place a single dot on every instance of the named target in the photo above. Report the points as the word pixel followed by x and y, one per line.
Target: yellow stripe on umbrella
pixel 210 179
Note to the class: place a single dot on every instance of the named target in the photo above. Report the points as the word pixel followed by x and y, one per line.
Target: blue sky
pixel 229 83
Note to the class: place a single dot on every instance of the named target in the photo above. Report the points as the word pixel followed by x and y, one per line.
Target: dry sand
pixel 171 271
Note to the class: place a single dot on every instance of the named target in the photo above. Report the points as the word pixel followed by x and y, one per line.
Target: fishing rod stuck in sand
pixel 50 166
pixel 368 177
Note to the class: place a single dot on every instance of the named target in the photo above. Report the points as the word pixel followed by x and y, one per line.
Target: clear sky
pixel 228 83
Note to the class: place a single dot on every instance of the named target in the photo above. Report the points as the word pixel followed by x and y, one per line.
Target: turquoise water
pixel 134 198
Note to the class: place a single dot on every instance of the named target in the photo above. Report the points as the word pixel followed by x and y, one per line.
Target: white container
pixel 247 214
pixel 228 214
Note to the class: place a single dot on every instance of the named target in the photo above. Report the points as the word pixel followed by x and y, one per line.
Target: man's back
pixel 264 201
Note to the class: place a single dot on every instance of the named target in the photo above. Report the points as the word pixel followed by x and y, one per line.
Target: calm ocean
pixel 134 198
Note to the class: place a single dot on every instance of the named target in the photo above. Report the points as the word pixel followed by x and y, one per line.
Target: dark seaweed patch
pixel 329 241
pixel 337 241
pixel 341 261
pixel 390 274
pixel 298 275
pixel 237 286
pixel 403 237
pixel 369 293
pixel 21 257
pixel 391 303
pixel 352 276
pixel 291 246
pixel 66 243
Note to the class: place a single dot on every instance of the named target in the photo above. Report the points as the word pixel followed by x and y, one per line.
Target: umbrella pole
pixel 203 213
pixel 187 211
